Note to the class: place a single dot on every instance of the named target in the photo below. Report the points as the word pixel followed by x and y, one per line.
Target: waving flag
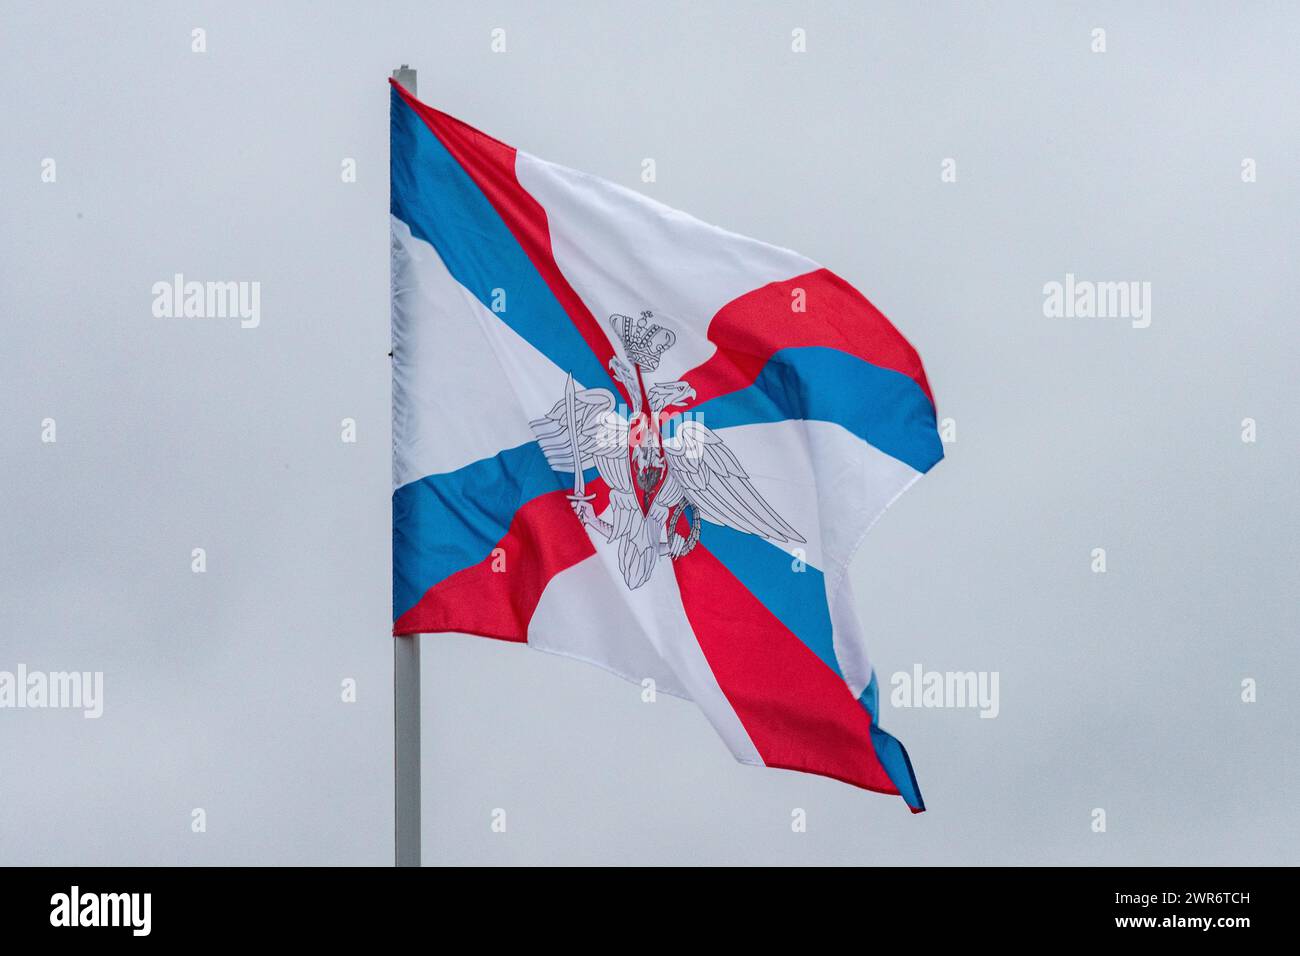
pixel 631 438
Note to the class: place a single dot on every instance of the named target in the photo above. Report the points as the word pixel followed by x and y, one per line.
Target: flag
pixel 631 438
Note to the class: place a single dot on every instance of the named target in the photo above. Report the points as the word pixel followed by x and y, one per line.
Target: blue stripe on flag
pixel 442 205
pixel 885 408
pixel 889 751
pixel 797 599
pixel 451 521
pixel 447 522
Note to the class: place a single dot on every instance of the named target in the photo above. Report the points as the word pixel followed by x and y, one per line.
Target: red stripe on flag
pixel 799 713
pixel 491 164
pixel 497 596
pixel 748 329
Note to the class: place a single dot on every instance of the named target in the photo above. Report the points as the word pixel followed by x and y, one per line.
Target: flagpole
pixel 406 703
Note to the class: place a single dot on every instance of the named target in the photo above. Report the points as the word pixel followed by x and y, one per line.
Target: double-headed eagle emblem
pixel 664 471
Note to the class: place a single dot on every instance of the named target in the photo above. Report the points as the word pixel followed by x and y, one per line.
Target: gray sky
pixel 1119 691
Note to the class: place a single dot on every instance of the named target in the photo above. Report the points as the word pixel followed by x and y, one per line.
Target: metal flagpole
pixel 406 703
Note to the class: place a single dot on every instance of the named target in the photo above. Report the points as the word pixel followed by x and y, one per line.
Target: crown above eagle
pixel 644 342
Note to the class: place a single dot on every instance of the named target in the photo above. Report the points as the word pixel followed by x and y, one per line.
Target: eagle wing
pixel 706 473
pixel 602 442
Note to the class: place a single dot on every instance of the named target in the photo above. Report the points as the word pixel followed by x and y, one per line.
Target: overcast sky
pixel 223 690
